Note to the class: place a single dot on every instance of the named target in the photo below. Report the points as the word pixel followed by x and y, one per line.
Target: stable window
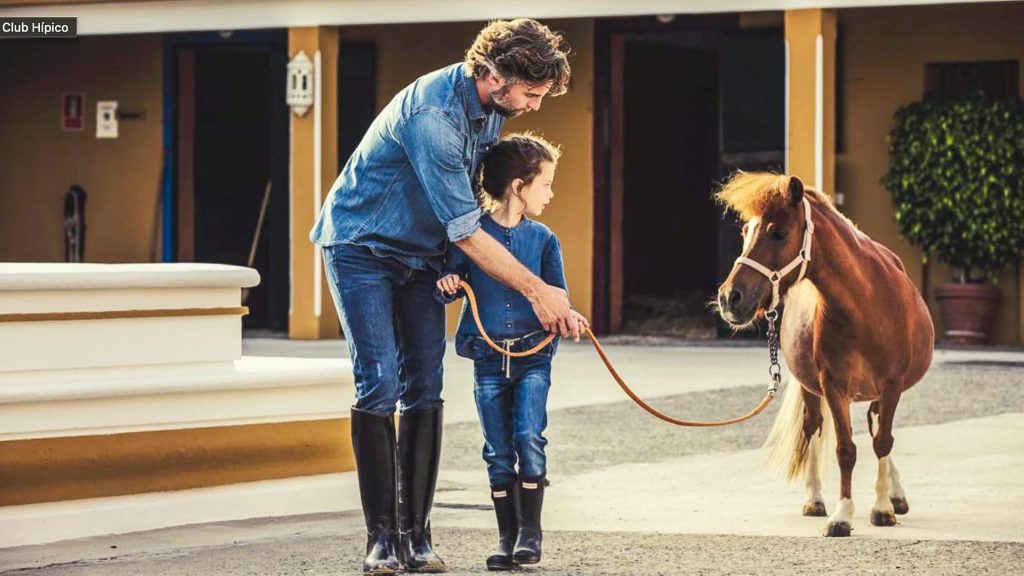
pixel 994 80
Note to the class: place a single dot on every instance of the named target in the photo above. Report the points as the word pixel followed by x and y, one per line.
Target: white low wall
pixel 251 390
pixel 95 350
pixel 60 316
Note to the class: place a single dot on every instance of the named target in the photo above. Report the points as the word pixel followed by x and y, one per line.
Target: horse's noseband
pixel 801 260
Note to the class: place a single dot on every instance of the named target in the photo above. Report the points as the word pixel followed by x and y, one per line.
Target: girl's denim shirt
pixel 504 312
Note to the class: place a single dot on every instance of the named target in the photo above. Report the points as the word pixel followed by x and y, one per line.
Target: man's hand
pixel 450 284
pixel 551 305
pixel 583 323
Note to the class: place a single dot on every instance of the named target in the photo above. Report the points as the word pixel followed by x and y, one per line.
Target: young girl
pixel 511 393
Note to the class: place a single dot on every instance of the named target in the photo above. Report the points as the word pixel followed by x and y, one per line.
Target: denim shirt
pixel 504 312
pixel 405 192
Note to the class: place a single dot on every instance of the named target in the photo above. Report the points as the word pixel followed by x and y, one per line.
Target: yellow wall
pixel 407 51
pixel 803 28
pixel 38 161
pixel 885 54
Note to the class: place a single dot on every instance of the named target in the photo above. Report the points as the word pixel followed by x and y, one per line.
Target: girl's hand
pixel 449 284
pixel 581 321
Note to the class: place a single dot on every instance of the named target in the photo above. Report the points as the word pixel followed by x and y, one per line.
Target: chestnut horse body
pixel 854 328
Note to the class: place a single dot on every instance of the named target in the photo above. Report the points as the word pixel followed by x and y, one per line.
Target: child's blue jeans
pixel 511 399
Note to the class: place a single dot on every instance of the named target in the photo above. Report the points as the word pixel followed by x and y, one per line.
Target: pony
pixel 854 328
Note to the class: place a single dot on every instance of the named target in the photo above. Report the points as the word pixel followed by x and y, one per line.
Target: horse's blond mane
pixel 750 194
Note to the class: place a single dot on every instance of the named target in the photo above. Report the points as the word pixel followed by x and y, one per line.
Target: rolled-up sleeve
pixel 434 145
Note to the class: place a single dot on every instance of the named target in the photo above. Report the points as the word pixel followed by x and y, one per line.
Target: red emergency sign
pixel 73 112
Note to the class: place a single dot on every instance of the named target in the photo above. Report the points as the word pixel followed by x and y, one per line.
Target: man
pixel 402 196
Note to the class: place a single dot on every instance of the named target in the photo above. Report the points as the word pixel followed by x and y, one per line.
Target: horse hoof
pixel 900 505
pixel 815 509
pixel 839 529
pixel 883 518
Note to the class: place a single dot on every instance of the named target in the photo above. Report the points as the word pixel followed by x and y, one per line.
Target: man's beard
pixel 498 105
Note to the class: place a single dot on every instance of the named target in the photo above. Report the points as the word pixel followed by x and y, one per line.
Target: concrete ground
pixel 632 495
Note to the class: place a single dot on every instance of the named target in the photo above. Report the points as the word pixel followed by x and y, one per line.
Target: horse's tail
pixel 789 447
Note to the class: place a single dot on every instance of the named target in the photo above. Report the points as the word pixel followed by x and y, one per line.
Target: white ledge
pixel 50 276
pixel 145 399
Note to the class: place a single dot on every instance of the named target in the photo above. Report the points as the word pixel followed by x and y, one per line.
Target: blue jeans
pixel 513 410
pixel 394 327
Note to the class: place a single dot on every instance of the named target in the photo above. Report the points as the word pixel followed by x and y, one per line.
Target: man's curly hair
pixel 521 50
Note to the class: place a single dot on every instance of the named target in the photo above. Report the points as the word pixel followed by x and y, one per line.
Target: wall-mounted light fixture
pixel 300 84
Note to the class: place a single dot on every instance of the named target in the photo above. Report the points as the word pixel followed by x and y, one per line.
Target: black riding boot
pixel 531 500
pixel 506 508
pixel 373 444
pixel 419 451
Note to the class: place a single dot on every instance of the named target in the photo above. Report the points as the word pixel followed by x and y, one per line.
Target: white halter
pixel 802 258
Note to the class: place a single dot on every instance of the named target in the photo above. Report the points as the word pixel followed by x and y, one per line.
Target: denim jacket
pixel 405 192
pixel 505 313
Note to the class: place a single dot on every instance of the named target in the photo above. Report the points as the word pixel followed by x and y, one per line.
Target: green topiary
pixel 956 174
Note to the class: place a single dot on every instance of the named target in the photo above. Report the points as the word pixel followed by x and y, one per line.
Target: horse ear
pixel 796 190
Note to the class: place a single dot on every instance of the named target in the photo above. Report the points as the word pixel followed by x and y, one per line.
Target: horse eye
pixel 779 235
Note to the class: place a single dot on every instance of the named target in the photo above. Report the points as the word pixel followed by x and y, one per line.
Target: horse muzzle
pixel 736 307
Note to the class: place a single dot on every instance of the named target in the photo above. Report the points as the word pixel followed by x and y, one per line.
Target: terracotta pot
pixel 967 311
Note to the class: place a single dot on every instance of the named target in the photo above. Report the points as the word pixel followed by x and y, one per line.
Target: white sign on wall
pixel 106 119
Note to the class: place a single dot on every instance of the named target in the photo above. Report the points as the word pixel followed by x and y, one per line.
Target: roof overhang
pixel 197 15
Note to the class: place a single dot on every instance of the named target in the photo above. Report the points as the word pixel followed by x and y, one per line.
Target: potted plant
pixel 956 174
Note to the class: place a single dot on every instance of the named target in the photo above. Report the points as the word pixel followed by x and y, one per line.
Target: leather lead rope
pixel 769 396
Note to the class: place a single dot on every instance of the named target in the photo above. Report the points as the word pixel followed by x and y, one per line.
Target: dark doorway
pixel 679 107
pixel 357 95
pixel 670 164
pixel 753 126
pixel 233 146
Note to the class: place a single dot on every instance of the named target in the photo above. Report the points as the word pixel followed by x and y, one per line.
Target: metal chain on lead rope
pixel 774 369
pixel 775 278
